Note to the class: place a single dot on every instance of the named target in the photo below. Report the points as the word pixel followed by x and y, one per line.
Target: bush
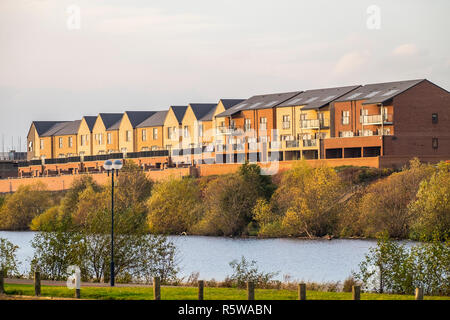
pixel 22 206
pixel 174 206
pixel 8 258
pixel 245 271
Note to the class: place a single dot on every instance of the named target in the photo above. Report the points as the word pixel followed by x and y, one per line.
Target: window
pixel 263 123
pixel 128 135
pixel 83 140
pixel 434 143
pixel 200 130
pixel 42 144
pixel 362 113
pixel 186 132
pixel 434 118
pixel 155 133
pixel 108 138
pixel 169 133
pixel 286 122
pixel 144 135
pixel 232 124
pixel 100 138
pixel 345 117
pixel 60 143
pixel 70 142
pixel 30 146
pixel 346 134
pixel 247 124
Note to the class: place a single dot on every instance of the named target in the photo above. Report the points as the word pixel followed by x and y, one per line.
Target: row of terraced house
pixel 400 120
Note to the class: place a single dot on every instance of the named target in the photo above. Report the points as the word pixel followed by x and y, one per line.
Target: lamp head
pixel 108 165
pixel 117 164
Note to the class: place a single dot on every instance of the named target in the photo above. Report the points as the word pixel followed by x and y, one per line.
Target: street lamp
pixel 113 166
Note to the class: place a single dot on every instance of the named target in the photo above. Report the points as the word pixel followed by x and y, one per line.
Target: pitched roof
pixel 90 121
pixel 156 120
pixel 54 129
pixel 137 117
pixel 111 120
pixel 203 111
pixel 44 126
pixel 259 102
pixel 379 92
pixel 228 103
pixel 317 98
pixel 179 112
pixel 68 128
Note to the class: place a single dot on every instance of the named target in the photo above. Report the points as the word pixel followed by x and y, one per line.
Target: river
pixel 308 260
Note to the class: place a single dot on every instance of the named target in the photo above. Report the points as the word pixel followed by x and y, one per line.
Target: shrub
pixel 245 271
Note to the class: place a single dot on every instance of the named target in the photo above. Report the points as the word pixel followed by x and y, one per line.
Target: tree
pixel 8 258
pixel 385 205
pixel 268 220
pixel 22 206
pixel 308 198
pixel 174 206
pixel 431 209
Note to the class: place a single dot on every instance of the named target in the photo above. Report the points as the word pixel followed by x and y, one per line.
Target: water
pixel 308 260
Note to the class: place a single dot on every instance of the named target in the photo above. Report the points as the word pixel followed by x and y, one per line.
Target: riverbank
pixel 191 293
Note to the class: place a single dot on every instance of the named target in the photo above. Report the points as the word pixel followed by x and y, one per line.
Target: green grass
pixel 189 293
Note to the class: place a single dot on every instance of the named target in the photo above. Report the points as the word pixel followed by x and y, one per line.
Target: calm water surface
pixel 309 260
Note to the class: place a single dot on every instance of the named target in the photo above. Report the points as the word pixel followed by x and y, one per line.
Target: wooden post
pixel 356 293
pixel 156 288
pixel 250 291
pixel 301 291
pixel 37 283
pixel 201 285
pixel 419 294
pixel 2 283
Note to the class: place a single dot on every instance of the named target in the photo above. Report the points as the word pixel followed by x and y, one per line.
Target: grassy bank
pixel 189 293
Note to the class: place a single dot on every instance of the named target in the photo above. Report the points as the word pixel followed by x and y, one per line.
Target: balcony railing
pixel 310 143
pixel 286 124
pixel 276 144
pixel 292 144
pixel 314 123
pixel 377 119
pixel 252 146
pixel 225 130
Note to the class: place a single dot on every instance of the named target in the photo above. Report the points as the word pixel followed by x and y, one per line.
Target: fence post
pixel 419 294
pixel 201 285
pixel 156 288
pixel 2 282
pixel 77 285
pixel 301 291
pixel 250 290
pixel 37 283
pixel 356 293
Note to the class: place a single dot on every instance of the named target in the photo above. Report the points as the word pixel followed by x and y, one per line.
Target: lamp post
pixel 114 167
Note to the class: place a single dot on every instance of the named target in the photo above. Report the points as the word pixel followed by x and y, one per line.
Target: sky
pixel 61 60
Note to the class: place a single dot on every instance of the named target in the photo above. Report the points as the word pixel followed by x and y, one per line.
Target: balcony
pixel 252 146
pixel 292 144
pixel 286 124
pixel 310 143
pixel 314 123
pixel 377 119
pixel 276 145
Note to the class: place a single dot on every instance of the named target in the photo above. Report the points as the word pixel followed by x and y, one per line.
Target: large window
pixel 42 144
pixel 144 135
pixel 70 142
pixel 247 124
pixel 169 133
pixel 186 131
pixel 262 123
pixel 83 140
pixel 286 122
pixel 345 117
pixel 155 133
pixel 108 137
pixel 60 143
pixel 200 130
pixel 128 135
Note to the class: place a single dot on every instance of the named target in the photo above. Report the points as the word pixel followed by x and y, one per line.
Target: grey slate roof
pixel 156 120
pixel 68 128
pixel 111 120
pixel 379 92
pixel 44 126
pixel 317 98
pixel 90 121
pixel 179 112
pixel 259 102
pixel 228 103
pixel 137 117
pixel 203 111
pixel 54 129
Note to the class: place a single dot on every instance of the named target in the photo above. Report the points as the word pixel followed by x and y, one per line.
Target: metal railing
pixel 376 119
pixel 310 143
pixel 314 123
pixel 292 144
pixel 286 124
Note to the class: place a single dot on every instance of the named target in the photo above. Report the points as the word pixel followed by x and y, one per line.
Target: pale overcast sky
pixel 147 55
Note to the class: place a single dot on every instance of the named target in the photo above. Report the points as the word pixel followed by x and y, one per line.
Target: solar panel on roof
pixel 372 94
pixel 254 105
pixel 329 98
pixel 311 99
pixel 272 103
pixel 354 95
pixel 295 100
pixel 390 92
